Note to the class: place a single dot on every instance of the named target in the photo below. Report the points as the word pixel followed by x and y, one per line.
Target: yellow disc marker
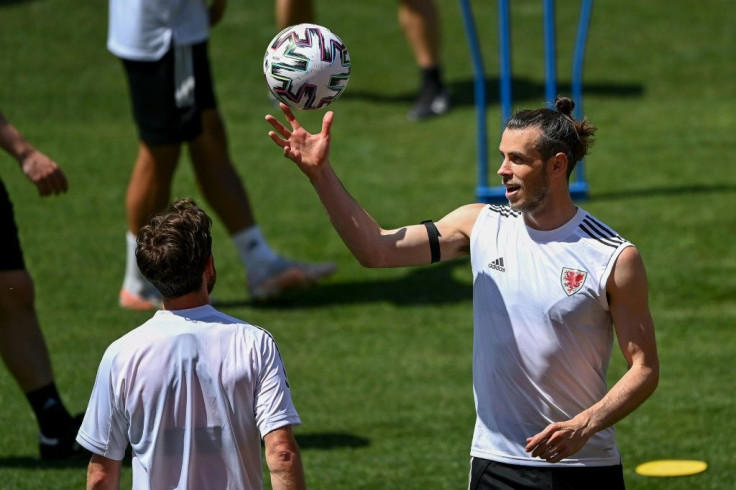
pixel 672 467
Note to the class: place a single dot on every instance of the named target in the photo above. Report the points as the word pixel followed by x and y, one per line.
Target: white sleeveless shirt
pixel 543 331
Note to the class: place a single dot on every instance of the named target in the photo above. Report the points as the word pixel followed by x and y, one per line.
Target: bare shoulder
pixel 455 229
pixel 463 218
pixel 628 271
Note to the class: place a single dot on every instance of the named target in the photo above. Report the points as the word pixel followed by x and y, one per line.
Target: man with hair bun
pixel 552 287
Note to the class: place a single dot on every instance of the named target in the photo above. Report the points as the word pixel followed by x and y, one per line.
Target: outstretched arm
pixel 628 297
pixel 39 168
pixel 372 245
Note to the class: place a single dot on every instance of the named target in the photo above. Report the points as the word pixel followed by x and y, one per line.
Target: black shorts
pixel 487 475
pixel 152 91
pixel 11 255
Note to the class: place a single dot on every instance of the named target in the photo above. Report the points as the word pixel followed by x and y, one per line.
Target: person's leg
pixel 421 24
pixel 292 12
pixel 216 175
pixel 162 127
pixel 24 352
pixel 22 345
pixel 149 188
pixel 149 191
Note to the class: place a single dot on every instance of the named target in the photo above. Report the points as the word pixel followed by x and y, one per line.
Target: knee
pixel 17 292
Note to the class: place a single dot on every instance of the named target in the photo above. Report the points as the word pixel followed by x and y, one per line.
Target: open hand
pixel 309 151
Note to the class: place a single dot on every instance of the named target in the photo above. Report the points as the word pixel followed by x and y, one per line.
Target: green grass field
pixel 380 359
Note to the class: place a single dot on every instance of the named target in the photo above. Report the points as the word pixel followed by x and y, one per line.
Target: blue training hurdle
pixel 496 194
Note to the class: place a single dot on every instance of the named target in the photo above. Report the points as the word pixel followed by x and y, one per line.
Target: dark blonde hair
pixel 173 248
pixel 561 133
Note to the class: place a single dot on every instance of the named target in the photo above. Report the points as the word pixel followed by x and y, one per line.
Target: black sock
pixel 432 78
pixel 51 414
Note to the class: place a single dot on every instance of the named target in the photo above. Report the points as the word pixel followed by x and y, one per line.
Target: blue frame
pixel 496 194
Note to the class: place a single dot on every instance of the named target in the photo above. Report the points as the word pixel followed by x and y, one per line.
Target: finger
pixel 538 447
pixel 536 440
pixel 43 187
pixel 540 450
pixel 556 454
pixel 64 185
pixel 548 451
pixel 278 126
pixel 289 116
pixel 557 457
pixel 327 122
pixel 277 139
pixel 58 182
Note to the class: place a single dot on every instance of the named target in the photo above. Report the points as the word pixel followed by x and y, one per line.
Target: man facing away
pixel 192 390
pixel 552 286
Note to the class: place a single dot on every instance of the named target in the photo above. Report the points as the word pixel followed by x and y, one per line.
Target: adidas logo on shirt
pixel 497 265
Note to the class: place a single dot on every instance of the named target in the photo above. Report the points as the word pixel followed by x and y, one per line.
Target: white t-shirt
pixel 194 391
pixel 543 332
pixel 144 30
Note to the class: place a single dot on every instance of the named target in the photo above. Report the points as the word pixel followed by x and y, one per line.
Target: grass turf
pixel 380 360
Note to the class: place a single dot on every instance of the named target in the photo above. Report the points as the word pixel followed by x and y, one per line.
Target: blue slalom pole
pixel 579 187
pixel 579 56
pixel 480 94
pixel 504 46
pixel 550 53
pixel 496 194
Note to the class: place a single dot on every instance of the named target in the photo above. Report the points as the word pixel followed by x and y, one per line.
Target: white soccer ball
pixel 306 66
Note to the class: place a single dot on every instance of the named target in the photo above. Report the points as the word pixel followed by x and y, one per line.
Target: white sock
pixel 134 282
pixel 253 250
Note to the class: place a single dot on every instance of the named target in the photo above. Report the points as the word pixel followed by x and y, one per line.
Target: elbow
pixel 97 482
pixel 102 481
pixel 369 262
pixel 103 473
pixel 654 376
pixel 372 259
pixel 651 377
pixel 285 466
pixel 283 460
pixel 283 457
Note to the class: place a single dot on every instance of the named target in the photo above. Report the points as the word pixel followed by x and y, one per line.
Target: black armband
pixel 434 239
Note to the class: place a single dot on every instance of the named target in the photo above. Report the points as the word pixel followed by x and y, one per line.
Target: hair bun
pixel 565 105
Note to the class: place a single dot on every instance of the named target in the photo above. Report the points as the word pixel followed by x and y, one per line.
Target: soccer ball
pixel 306 66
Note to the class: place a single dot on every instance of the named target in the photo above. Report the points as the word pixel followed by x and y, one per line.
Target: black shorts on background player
pixel 152 90
pixel 11 255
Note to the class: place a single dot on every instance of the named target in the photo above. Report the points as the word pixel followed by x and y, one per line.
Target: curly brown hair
pixel 173 248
